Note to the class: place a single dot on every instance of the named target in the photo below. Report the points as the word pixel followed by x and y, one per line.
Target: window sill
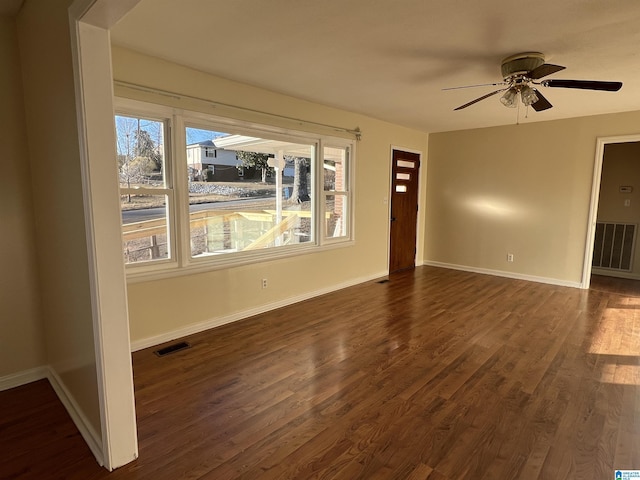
pixel 147 273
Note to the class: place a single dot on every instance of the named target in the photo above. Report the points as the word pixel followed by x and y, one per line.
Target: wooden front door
pixel 404 210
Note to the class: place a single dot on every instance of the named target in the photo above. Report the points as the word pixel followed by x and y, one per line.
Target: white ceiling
pixel 391 59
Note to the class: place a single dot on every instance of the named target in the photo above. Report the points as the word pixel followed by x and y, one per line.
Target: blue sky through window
pixel 195 135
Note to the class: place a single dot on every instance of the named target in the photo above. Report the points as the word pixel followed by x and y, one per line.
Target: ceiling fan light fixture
pixel 528 95
pixel 510 98
pixel 522 72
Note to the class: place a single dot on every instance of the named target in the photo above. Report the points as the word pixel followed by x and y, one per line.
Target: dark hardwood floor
pixel 435 374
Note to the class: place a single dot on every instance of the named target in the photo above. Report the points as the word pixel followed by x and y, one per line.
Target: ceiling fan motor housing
pixel 521 64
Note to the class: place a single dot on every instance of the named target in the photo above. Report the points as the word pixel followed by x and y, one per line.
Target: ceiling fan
pixel 520 73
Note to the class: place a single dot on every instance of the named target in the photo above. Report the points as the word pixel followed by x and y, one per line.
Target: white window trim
pixel 181 263
pixel 136 109
pixel 346 193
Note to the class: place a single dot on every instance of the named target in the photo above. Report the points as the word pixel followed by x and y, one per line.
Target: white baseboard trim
pixel 500 273
pixel 234 317
pixel 22 378
pixel 616 274
pixel 94 441
pixel 90 436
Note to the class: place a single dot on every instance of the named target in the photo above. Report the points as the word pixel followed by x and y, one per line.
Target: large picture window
pixel 254 193
pixel 226 192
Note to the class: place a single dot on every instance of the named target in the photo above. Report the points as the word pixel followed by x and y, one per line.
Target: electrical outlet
pixel 264 283
pixel 509 257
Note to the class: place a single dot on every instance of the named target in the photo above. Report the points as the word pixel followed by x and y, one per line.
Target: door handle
pixel 393 219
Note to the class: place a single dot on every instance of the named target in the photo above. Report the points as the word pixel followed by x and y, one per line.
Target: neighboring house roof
pixel 204 143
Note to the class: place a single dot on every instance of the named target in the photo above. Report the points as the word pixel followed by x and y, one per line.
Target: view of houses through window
pixel 252 194
pixel 245 193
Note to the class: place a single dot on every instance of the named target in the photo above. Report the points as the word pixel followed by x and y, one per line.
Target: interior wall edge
pixel 117 443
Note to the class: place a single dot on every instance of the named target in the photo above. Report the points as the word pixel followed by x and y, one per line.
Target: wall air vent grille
pixel 175 347
pixel 613 246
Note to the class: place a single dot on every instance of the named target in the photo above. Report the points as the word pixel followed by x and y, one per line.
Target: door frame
pixel 601 143
pixel 419 260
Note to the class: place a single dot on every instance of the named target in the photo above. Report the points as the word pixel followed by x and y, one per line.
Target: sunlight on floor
pixel 618 334
pixel 620 374
pixel 619 330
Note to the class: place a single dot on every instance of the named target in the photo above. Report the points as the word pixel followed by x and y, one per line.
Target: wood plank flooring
pixel 436 374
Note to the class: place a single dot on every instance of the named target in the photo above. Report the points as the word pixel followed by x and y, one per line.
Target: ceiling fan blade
pixel 542 103
pixel 544 70
pixel 479 99
pixel 479 85
pixel 584 85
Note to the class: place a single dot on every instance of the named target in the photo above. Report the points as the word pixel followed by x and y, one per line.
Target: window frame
pixel 168 190
pixel 182 263
pixel 345 192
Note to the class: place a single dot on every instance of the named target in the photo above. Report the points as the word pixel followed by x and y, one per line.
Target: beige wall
pixel 522 189
pixel 21 335
pixel 161 306
pixel 621 166
pixel 43 33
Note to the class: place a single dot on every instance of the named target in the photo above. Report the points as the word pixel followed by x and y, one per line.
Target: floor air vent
pixel 176 347
pixel 613 245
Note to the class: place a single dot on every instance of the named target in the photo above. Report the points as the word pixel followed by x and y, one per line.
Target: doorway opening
pixel 614 211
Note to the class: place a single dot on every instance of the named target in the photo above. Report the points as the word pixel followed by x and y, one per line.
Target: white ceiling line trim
pixel 355 132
